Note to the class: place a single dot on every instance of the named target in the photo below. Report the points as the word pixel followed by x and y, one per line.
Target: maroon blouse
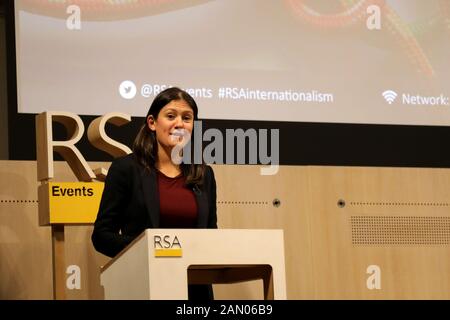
pixel 177 204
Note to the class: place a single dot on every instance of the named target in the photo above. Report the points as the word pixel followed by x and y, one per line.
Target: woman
pixel 146 189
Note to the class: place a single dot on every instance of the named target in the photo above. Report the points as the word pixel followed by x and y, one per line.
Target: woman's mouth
pixel 178 134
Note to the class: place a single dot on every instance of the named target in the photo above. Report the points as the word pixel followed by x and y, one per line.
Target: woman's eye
pixel 170 116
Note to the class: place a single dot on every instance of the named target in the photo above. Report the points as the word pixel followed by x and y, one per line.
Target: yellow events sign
pixel 69 202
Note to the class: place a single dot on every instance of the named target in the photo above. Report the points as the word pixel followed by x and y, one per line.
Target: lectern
pixel 159 264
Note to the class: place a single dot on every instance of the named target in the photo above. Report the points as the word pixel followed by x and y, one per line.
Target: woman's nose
pixel 179 122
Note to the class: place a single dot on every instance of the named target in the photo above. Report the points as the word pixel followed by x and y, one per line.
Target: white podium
pixel 159 264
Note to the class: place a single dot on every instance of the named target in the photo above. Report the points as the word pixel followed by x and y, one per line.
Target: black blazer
pixel 130 204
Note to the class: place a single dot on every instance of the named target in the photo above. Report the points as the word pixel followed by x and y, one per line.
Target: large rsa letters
pixel 67 149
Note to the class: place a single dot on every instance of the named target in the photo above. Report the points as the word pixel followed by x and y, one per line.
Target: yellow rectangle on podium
pixel 69 202
pixel 168 253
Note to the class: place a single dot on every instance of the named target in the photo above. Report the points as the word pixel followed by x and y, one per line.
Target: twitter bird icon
pixel 127 89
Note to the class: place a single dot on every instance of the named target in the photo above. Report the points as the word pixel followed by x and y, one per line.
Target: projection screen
pixel 368 62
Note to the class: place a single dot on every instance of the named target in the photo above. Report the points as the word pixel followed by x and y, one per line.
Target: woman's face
pixel 172 123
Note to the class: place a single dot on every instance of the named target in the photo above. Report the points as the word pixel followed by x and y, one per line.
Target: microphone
pixel 196 190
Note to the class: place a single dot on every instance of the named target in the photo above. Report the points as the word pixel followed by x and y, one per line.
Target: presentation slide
pixel 343 61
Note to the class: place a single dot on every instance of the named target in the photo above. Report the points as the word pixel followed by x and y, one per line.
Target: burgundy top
pixel 177 204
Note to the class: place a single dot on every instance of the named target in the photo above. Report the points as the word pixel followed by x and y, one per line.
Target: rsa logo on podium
pixel 167 246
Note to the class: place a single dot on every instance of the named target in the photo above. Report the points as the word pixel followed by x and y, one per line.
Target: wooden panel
pixel 80 252
pixel 321 259
pixel 25 248
pixel 407 271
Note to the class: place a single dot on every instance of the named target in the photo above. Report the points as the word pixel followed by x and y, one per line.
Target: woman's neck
pixel 165 164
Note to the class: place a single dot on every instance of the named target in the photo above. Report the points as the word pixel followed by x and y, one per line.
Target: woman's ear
pixel 151 123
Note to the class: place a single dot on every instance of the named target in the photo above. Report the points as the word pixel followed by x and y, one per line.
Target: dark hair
pixel 145 147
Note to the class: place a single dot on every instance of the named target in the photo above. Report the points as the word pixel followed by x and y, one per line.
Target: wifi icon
pixel 389 96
